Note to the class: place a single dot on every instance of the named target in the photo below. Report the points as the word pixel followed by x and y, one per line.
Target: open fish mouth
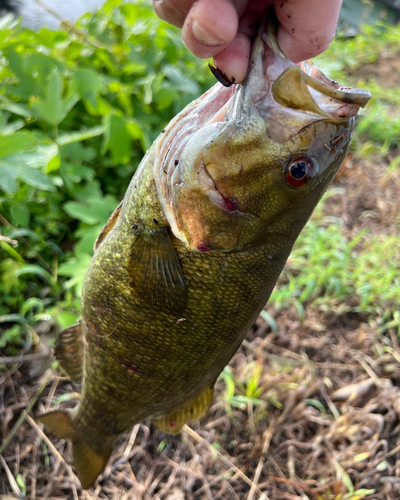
pixel 274 79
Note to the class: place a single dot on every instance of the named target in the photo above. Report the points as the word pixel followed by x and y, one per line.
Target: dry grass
pixel 336 383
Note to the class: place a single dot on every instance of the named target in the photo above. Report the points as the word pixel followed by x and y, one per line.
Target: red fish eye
pixel 299 171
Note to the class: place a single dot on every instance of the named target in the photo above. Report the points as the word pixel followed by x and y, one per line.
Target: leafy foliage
pixel 78 110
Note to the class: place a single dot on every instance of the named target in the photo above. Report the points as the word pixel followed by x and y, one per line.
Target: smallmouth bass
pixel 190 257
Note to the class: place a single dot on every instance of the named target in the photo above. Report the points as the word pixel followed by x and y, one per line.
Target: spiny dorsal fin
pixel 108 226
pixel 154 270
pixel 193 410
pixel 69 352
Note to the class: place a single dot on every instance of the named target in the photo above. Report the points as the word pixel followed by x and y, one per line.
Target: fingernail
pixel 221 76
pixel 203 36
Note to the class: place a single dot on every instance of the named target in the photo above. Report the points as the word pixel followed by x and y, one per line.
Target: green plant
pixel 78 109
pixel 327 270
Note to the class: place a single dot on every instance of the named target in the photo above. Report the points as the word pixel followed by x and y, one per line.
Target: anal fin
pixel 193 410
pixel 155 273
pixel 69 352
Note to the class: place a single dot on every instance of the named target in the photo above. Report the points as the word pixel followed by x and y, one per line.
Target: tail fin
pixel 88 463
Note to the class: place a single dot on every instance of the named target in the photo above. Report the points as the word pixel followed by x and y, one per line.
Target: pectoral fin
pixel 108 226
pixel 155 272
pixel 69 352
pixel 193 410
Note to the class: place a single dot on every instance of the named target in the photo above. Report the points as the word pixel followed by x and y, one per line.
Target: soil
pixel 326 421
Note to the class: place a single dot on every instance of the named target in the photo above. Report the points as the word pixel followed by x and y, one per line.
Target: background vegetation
pixel 78 111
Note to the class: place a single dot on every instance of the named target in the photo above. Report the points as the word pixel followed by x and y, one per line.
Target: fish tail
pixel 88 463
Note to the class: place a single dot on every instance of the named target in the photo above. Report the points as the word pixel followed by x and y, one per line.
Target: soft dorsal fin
pixel 155 273
pixel 108 226
pixel 69 352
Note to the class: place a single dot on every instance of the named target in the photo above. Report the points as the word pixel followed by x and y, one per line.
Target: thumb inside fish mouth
pixel 292 87
pixel 292 90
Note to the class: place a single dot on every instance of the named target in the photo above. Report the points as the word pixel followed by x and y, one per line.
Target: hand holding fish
pixel 223 29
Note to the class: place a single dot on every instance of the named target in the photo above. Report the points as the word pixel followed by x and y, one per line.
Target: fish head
pixel 262 161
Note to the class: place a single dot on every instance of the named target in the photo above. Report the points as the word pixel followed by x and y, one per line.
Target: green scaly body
pixel 158 362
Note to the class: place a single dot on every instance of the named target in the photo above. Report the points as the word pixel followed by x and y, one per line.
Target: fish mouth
pixel 274 79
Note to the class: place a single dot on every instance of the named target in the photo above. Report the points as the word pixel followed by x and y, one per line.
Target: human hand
pixel 222 29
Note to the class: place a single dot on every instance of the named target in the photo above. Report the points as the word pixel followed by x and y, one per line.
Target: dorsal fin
pixel 69 352
pixel 155 272
pixel 108 226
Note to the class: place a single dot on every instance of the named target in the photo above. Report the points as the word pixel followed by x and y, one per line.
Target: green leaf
pixel 16 143
pixel 35 178
pixel 11 128
pixel 12 318
pixel 14 107
pixel 35 269
pixel 8 179
pixel 22 164
pixel 180 81
pixel 94 211
pixel 66 319
pixel 76 268
pixel 71 137
pixel 76 152
pixel 9 276
pixel 11 251
pixel 17 62
pixel 88 236
pixel 54 108
pixel 32 303
pixel 269 319
pixel 88 84
pixel 117 139
pixel 20 214
pixel 21 484
pixel 53 164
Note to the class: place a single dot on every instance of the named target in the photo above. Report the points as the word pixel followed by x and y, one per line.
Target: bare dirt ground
pixel 328 423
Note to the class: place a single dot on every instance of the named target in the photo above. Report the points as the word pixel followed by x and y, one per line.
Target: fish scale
pixel 190 257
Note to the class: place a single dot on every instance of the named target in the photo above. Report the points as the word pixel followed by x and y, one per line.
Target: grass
pixel 328 270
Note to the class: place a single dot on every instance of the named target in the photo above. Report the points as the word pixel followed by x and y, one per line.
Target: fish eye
pixel 299 171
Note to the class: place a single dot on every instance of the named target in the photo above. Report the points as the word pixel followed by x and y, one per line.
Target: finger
pixel 173 11
pixel 307 27
pixel 210 27
pixel 234 60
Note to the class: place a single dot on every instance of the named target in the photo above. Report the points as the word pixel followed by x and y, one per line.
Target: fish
pixel 190 257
